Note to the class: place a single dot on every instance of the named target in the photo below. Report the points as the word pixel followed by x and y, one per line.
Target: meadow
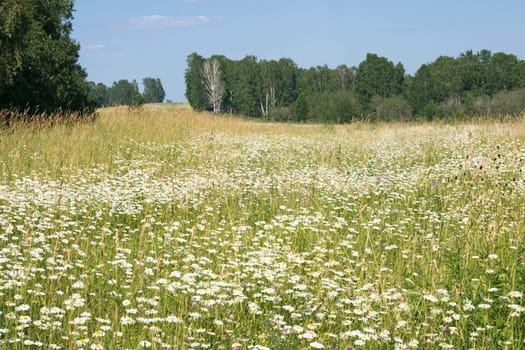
pixel 164 228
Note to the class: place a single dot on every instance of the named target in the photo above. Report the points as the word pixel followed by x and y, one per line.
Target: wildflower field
pixel 170 229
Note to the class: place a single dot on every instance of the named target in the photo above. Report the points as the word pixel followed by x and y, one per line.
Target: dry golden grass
pixel 26 148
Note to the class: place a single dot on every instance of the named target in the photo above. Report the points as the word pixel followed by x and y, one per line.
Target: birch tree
pixel 211 75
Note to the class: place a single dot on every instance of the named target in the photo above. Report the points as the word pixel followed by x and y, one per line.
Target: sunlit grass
pixel 165 228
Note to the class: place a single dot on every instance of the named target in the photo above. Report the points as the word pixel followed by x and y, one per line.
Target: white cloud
pixel 161 22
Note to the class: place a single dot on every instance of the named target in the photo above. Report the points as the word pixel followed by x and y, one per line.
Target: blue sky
pixel 134 39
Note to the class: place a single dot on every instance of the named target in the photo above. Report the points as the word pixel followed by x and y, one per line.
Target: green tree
pixel 503 73
pixel 377 76
pixel 521 74
pixel 101 93
pixel 287 82
pixel 317 79
pixel 344 77
pixel 245 86
pixel 474 71
pixel 14 23
pixel 123 92
pixel 195 89
pixel 346 106
pixel 270 78
pixel 153 91
pixel 229 79
pixel 434 83
pixel 38 58
pixel 279 80
pixel 299 110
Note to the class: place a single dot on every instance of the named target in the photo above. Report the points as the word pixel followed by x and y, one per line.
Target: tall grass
pixel 166 228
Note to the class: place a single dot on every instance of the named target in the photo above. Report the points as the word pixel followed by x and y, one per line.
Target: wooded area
pixel 472 84
pixel 124 92
pixel 39 72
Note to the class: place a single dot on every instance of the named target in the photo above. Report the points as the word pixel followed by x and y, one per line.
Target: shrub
pixel 478 106
pixel 429 111
pixel 280 114
pixel 452 108
pixel 508 103
pixel 346 107
pixel 300 109
pixel 394 108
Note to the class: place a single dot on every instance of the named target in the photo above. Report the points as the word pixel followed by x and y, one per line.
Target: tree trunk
pixel 211 75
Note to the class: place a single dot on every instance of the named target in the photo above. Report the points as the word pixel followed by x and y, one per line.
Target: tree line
pixel 124 92
pixel 471 84
pixel 39 73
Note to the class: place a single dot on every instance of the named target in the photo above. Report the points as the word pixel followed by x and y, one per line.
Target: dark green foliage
pixel 300 109
pixel 101 93
pixel 317 80
pixel 344 77
pixel 394 108
pixel 345 107
pixel 38 58
pixel 435 82
pixel 378 76
pixel 331 107
pixel 521 74
pixel 195 90
pixel 246 94
pixel 503 73
pixel 286 82
pixel 123 92
pixel 429 111
pixel 473 71
pixel 472 84
pixel 153 91
pixel 457 87
pixel 279 83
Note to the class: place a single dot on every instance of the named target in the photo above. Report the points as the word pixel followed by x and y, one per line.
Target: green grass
pixel 166 228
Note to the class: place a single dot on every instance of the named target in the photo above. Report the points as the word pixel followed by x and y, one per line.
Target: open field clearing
pixel 169 229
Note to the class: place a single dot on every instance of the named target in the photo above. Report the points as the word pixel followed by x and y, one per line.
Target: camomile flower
pixel 126 320
pixel 99 333
pixel 97 346
pixel 316 345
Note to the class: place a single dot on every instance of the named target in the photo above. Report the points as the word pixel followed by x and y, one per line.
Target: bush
pixel 333 107
pixel 280 114
pixel 429 111
pixel 346 107
pixel 452 108
pixel 300 109
pixel 508 103
pixel 394 108
pixel 478 106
